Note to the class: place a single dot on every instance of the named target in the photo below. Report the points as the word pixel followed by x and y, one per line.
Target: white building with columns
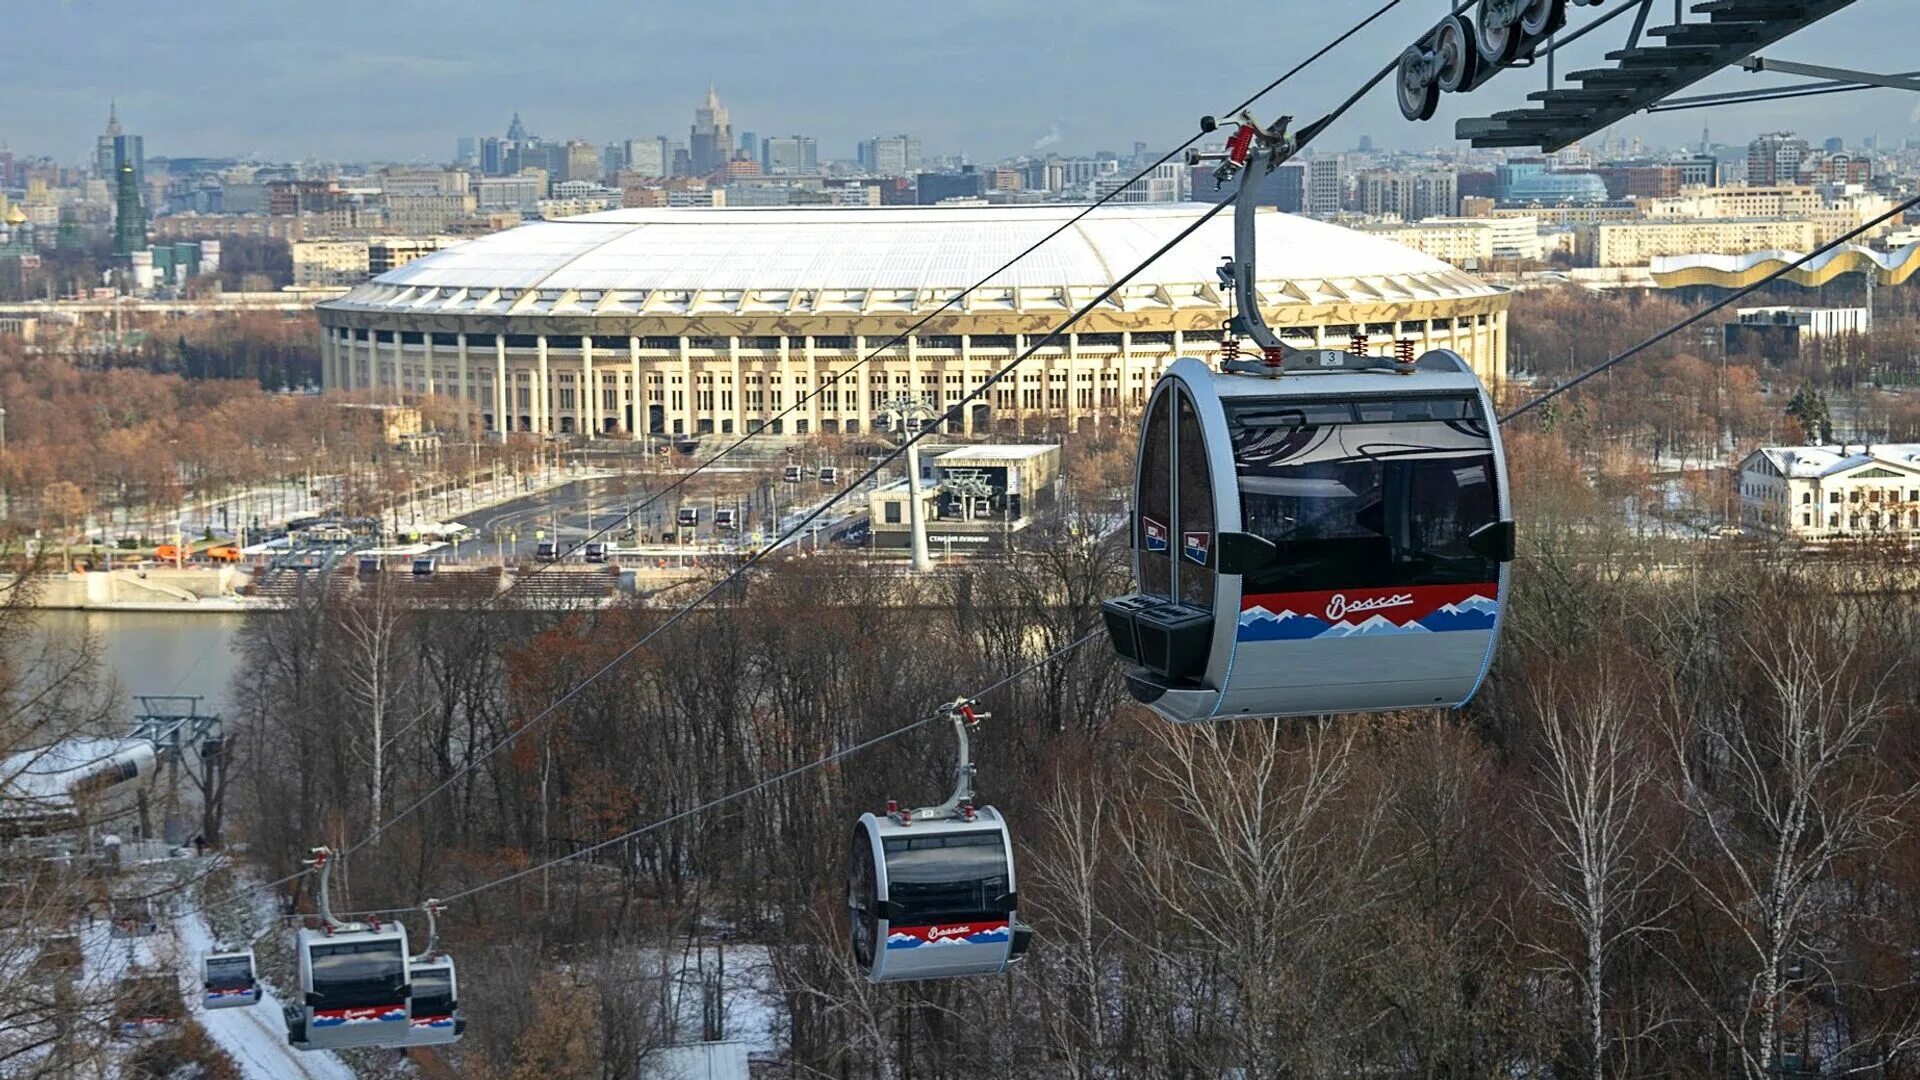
pixel 684 322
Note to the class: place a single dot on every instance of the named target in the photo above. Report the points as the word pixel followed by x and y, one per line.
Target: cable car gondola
pixel 689 517
pixel 434 1016
pixel 792 474
pixel 829 474
pixel 1313 532
pixel 725 518
pixel 229 980
pixel 930 893
pixel 354 982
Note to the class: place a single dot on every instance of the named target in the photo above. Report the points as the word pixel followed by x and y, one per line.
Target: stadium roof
pixel 886 259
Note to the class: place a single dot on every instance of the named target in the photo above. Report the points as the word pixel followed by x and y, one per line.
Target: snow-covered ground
pixel 255 1037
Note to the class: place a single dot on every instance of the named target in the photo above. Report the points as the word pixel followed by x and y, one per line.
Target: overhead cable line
pixel 834 378
pixel 771 781
pixel 1739 294
pixel 1307 134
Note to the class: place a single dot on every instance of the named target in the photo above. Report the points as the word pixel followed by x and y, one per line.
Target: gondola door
pixel 1169 627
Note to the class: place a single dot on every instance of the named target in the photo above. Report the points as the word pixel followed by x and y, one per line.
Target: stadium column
pixel 967 383
pixel 466 400
pixel 814 385
pixel 429 357
pixel 542 417
pixel 639 414
pixel 787 383
pixel 739 386
pixel 863 379
pixel 1496 363
pixel 399 374
pixel 346 361
pixel 1071 400
pixel 502 419
pixel 689 401
pixel 588 412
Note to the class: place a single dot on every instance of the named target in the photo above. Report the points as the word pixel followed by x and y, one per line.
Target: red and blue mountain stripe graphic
pixel 377 1014
pixel 1416 609
pixel 942 934
pixel 433 1021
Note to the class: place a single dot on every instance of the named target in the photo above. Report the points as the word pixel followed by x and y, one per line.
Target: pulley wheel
pixel 1455 49
pixel 1417 94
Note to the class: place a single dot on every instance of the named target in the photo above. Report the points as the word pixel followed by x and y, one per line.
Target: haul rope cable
pixel 1306 135
pixel 970 396
pixel 799 527
pixel 1075 645
pixel 834 378
pixel 1740 294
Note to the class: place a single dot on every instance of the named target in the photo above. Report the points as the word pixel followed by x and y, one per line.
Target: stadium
pixel 688 322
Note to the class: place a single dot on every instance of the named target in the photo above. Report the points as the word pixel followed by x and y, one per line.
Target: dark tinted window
pixel 358 973
pixel 432 991
pixel 229 972
pixel 1385 498
pixel 1193 544
pixel 1153 527
pixel 862 893
pixel 954 878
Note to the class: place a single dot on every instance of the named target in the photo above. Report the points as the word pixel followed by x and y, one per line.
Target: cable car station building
pixel 686 322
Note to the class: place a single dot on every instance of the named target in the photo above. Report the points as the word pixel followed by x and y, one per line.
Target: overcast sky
pixel 398 80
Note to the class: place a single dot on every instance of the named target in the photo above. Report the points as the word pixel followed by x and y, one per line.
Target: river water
pixel 153 652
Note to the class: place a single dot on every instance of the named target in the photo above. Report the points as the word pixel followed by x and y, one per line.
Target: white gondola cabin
pixel 228 980
pixel 1315 543
pixel 354 985
pixel 1314 532
pixel 829 474
pixel 792 474
pixel 689 517
pixel 434 1016
pixel 930 893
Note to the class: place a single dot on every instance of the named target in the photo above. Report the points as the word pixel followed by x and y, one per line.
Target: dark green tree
pixel 1808 408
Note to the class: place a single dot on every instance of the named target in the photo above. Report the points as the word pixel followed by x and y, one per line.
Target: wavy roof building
pixel 1740 271
pixel 692 321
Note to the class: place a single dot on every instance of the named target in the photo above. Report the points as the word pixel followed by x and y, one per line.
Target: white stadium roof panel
pixel 909 257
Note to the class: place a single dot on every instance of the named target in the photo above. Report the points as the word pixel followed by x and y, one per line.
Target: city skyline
pixel 314 90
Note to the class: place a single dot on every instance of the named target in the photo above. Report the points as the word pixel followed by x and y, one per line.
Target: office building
pixel 711 144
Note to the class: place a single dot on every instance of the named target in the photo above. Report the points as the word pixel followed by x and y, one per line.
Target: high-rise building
pixel 1836 144
pixel 898 155
pixel 1410 196
pixel 1775 158
pixel 790 155
pixel 1326 186
pixel 582 160
pixel 749 146
pixel 1162 185
pixel 648 157
pixel 493 158
pixel 466 150
pixel 711 146
pixel 1702 170
pixel 129 220
pixel 938 187
pixel 115 148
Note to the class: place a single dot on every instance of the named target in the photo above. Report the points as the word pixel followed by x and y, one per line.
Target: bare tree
pixel 1590 806
pixel 1781 792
